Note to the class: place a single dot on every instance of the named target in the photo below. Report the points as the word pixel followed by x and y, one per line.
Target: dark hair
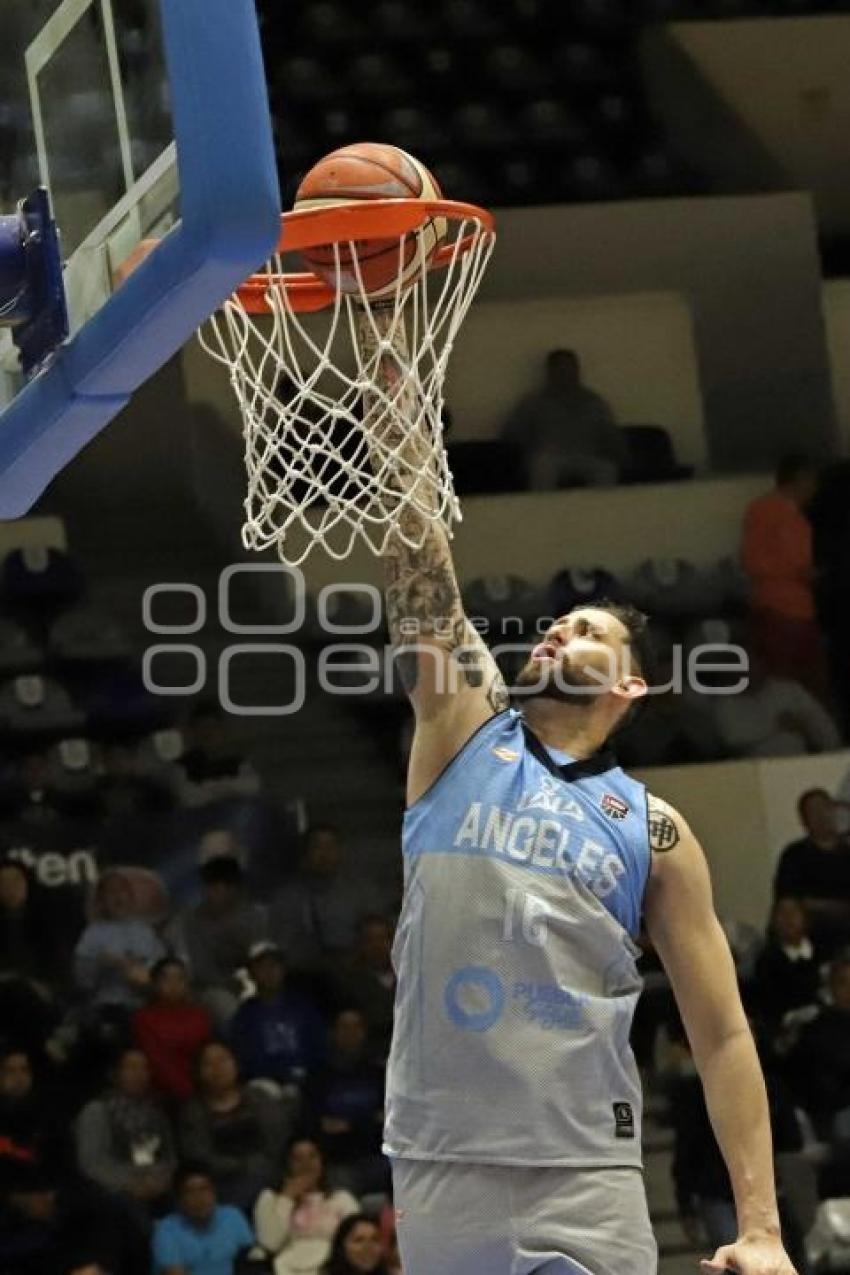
pixel 558 355
pixel 197 1061
pixel 222 869
pixel 636 624
pixel 191 1169
pixel 338 1263
pixel 165 963
pixel 774 907
pixel 791 466
pixel 320 827
pixel 307 1133
pixel 807 796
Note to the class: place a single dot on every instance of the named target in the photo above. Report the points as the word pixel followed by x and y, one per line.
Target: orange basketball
pixel 372 170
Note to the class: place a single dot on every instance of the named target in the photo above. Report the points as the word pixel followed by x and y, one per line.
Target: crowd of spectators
pixel 795 983
pixel 206 1079
pixel 227 1118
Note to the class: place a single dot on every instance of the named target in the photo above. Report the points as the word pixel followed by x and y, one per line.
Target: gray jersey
pixel 516 963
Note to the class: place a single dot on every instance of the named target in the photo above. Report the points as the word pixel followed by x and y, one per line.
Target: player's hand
pixel 751 1255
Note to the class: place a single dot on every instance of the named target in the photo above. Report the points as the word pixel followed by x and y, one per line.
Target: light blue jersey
pixel 516 961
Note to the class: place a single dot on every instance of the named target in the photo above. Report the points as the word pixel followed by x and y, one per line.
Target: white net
pixel 342 409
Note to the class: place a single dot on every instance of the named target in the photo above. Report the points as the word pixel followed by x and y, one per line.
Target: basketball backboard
pixel 144 119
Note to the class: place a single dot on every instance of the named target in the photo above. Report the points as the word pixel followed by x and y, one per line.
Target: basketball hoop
pixel 340 391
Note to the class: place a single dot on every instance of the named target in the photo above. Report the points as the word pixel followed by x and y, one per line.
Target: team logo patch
pixel 624 1120
pixel 614 807
pixel 505 754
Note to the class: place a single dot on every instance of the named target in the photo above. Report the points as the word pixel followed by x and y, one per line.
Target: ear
pixel 632 688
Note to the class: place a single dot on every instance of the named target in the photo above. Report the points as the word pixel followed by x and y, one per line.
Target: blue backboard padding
pixel 230 224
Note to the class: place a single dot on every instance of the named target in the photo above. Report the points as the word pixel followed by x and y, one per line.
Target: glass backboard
pixel 148 122
pixel 88 115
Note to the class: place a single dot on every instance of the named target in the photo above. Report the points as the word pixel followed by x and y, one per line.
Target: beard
pixel 560 682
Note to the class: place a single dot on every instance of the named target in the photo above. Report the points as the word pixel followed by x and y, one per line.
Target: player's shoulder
pixel 666 825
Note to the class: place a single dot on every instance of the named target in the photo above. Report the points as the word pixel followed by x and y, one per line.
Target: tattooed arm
pixel 453 681
pixel 688 937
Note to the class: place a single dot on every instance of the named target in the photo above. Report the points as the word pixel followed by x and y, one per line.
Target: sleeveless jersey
pixel 516 961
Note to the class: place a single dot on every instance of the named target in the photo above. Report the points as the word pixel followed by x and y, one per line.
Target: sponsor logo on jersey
pixel 550 1006
pixel 550 797
pixel 505 754
pixel 614 807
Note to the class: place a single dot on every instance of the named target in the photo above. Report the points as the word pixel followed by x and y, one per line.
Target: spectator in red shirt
pixel 778 557
pixel 171 1030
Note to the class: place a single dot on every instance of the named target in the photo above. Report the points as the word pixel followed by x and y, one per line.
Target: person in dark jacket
pixel 32 969
pixel 347 1098
pixel 787 970
pixel 50 1227
pixel 238 1131
pixel 276 1034
pixel 31 1129
pixel 816 869
pixel 820 1061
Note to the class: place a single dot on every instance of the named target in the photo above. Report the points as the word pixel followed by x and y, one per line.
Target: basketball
pixel 372 170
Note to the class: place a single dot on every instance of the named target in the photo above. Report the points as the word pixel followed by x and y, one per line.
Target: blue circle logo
pixel 477 979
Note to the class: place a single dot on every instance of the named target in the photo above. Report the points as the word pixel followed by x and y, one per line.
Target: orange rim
pixel 357 220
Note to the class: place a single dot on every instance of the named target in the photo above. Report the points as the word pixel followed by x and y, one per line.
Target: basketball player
pixel 513 1100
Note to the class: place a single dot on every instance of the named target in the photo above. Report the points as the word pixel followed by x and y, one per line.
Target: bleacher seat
pixel 442 75
pixel 89 635
pixel 605 21
pixel 667 587
pixel 483 126
pixel 548 123
pixel 345 609
pixel 589 176
pixel 32 705
pixel 39 579
pixel 489 465
pixel 463 179
pixel 497 598
pixel 583 69
pixel 19 653
pixel 582 586
pixel 512 70
pixel 414 129
pixel 117 704
pixel 615 116
pixel 380 77
pixel 523 180
pixel 73 773
pixel 655 173
pixel 477 21
pixel 651 456
pixel 298 80
pixel 324 24
pixel 398 22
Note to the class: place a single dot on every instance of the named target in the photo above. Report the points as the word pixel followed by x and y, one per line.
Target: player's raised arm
pixel 453 682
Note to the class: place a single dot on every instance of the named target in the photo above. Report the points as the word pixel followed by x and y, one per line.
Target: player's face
pixel 583 655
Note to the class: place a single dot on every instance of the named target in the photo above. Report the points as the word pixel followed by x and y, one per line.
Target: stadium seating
pixel 500 88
